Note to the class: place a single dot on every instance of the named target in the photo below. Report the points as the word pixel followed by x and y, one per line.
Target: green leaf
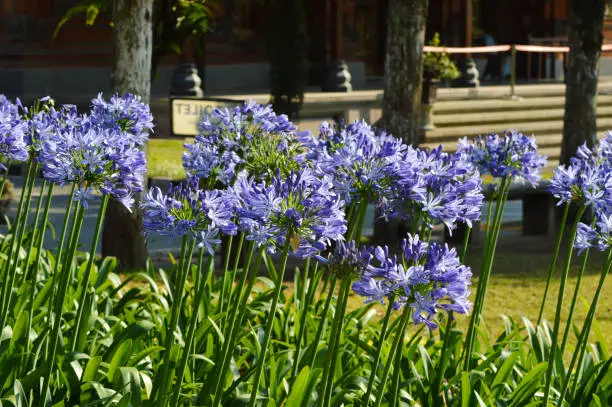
pixel 91 369
pixel 503 374
pixel 528 386
pixel 303 387
pixel 144 353
pixel 20 331
pixel 466 389
pixel 119 358
pixel 21 399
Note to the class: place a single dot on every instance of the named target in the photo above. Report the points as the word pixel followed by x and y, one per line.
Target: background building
pixel 78 61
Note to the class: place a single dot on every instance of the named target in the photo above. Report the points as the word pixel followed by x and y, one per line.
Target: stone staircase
pixel 541 116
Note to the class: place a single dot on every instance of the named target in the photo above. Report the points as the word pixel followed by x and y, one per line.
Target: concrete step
pixel 505 105
pixel 538 128
pixel 444 119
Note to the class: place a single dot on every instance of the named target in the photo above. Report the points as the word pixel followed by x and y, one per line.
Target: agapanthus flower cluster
pixel 300 209
pixel 92 153
pixel 125 114
pixel 445 188
pixel 249 138
pixel 586 180
pixel 43 121
pixel 360 161
pixel 428 277
pixel 512 154
pixel 599 235
pixel 347 260
pixel 187 210
pixel 12 131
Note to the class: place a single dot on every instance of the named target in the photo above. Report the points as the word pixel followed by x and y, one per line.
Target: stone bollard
pixel 338 78
pixel 186 81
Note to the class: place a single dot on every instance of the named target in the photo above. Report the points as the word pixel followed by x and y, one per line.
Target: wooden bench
pixel 538 213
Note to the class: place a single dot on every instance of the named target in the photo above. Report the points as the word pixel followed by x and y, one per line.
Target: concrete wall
pixel 87 82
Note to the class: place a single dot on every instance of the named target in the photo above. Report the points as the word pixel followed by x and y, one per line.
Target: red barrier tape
pixel 503 48
pixel 468 50
pixel 540 48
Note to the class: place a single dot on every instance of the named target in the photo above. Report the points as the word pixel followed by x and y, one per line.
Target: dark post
pixel 338 77
pixel 469 72
pixel 186 81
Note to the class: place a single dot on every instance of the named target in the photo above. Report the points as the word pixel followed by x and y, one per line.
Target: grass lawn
pixel 517 284
pixel 164 158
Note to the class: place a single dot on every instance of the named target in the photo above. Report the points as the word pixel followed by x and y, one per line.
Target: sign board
pixel 187 113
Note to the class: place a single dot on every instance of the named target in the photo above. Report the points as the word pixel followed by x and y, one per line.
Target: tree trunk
pixel 585 39
pixel 401 103
pixel 132 44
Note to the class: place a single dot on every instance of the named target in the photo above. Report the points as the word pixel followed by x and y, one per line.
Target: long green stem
pixel 489 254
pixel 381 342
pixel 583 340
pixel 37 260
pixel 90 263
pixel 322 322
pixel 58 256
pixel 228 286
pixel 197 299
pixel 34 238
pixel 241 293
pixel 64 280
pixel 570 316
pixel 553 264
pixel 228 253
pixel 336 334
pixel 269 324
pixel 177 302
pixel 395 384
pixel 356 226
pixel 19 228
pixel 560 297
pixel 304 303
pixel 396 349
pixel 4 178
pixel 230 329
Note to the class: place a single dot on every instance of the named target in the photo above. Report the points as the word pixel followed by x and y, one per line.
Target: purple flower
pixel 250 138
pixel 428 277
pixel 598 235
pixel 126 115
pixel 587 179
pixel 301 207
pixel 187 210
pixel 12 132
pixel 512 155
pixel 443 188
pixel 90 157
pixel 347 260
pixel 360 161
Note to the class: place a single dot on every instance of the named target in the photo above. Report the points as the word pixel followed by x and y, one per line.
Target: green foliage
pixel 117 360
pixel 175 22
pixel 438 65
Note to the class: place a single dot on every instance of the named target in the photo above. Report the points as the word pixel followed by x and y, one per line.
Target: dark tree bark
pixel 401 103
pixel 132 44
pixel 585 39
